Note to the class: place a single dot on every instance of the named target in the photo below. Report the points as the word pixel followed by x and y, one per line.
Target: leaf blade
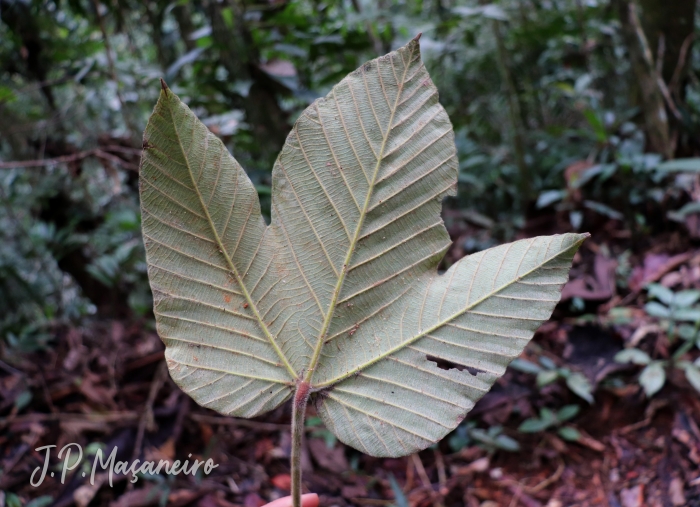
pixel 341 290
pixel 192 233
pixel 385 406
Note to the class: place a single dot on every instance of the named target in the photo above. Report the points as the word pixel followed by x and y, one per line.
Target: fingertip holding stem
pixel 307 500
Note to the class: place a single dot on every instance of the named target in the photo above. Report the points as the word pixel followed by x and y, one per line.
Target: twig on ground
pixel 418 464
pixel 108 417
pixel 410 474
pixel 590 442
pixel 182 412
pixel 244 423
pixel 144 361
pixel 548 481
pixel 601 490
pixel 47 394
pixel 146 420
pixel 10 369
pixel 649 414
pixel 521 497
pixel 29 443
pixel 516 498
pixel 442 475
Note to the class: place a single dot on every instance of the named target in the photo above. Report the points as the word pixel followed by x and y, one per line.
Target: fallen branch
pixel 244 423
pixel 103 418
pixel 146 420
pixel 67 159
pixel 648 59
pixel 682 57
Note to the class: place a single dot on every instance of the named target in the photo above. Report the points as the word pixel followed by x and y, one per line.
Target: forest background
pixel 570 115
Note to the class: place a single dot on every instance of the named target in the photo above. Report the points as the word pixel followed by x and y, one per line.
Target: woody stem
pixel 301 397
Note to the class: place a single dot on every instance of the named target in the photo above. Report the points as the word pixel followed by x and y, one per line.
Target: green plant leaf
pixel 507 443
pixel 657 310
pixel 525 366
pixel 341 290
pixel 534 425
pixel 596 124
pixel 688 209
pixel 580 385
pixel 567 412
pixel 546 377
pixel 547 363
pixel 41 501
pixel 548 415
pixel 687 314
pixel 493 439
pixel 687 332
pixel 652 378
pixel 686 298
pixel 634 356
pixel 569 433
pixel 691 165
pixel 692 373
pixel 23 399
pixel 12 500
pixel 663 294
pixel 550 197
pixel 547 419
pixel 399 496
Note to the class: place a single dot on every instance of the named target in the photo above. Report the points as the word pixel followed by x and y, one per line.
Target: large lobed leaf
pixel 341 289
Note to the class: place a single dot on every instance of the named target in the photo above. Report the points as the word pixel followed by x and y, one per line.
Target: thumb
pixel 308 500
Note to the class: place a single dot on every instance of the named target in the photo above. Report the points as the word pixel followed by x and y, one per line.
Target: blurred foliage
pixel 534 88
pixel 679 316
pixel 491 439
pixel 547 372
pixel 550 419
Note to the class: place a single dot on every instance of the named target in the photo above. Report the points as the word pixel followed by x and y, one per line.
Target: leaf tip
pixel 417 37
pixel 164 86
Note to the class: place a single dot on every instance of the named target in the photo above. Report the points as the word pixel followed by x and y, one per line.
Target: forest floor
pixel 106 382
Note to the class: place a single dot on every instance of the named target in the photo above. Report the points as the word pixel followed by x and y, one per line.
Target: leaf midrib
pixel 444 322
pixel 351 248
pixel 251 303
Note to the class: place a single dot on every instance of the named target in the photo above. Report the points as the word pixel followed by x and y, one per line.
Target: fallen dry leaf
pixel 282 481
pixel 632 497
pixel 675 492
pixel 332 460
pixel 599 287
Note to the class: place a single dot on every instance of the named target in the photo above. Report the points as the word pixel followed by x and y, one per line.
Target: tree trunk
pixel 183 16
pixel 517 129
pixel 239 57
pixel 672 23
pixel 658 35
pixel 20 19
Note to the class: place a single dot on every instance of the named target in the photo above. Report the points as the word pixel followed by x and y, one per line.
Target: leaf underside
pixel 341 289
